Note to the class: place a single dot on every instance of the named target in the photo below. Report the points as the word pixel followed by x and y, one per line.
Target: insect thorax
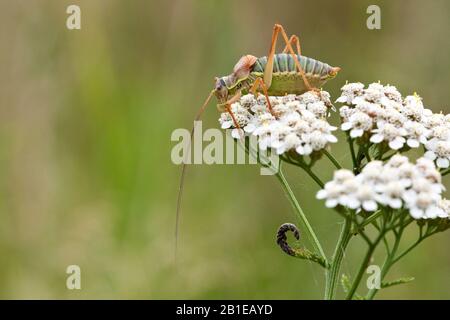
pixel 234 84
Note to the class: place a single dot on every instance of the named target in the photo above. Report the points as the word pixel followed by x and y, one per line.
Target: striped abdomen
pixel 287 79
pixel 284 62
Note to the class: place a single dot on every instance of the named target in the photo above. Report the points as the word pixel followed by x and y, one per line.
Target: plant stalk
pixel 301 215
pixel 363 267
pixel 332 159
pixel 332 276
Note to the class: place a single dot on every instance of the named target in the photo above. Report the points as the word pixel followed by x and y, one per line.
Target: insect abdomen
pixel 284 62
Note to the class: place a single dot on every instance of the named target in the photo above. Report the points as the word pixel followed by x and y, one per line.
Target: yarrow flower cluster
pixel 381 113
pixel 397 184
pixel 300 123
pixel 383 187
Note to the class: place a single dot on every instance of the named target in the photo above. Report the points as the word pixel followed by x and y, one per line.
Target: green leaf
pixel 345 282
pixel 346 285
pixel 303 253
pixel 396 282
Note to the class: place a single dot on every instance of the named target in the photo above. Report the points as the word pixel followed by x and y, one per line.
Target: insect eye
pixel 220 84
pixel 221 89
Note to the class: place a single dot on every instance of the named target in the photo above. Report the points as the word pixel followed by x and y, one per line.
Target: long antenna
pixel 183 169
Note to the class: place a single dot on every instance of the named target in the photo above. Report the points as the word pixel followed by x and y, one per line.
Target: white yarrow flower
pixel 357 123
pixel 396 184
pixel 300 123
pixel 391 134
pixel 388 117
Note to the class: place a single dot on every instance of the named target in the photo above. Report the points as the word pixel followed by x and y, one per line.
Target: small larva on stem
pixel 282 237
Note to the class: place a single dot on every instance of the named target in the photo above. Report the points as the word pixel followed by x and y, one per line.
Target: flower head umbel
pixel 399 123
pixel 382 193
pixel 300 123
pixel 395 184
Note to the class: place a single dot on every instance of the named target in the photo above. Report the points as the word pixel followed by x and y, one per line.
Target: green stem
pixel 404 253
pixel 332 276
pixel 307 170
pixel 384 269
pixel 387 263
pixel 366 153
pixel 363 267
pixel 352 151
pixel 332 159
pixel 386 245
pixel 301 215
pixel 313 176
pixel 369 220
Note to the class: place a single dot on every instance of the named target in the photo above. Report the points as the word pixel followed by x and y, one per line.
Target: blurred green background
pixel 86 118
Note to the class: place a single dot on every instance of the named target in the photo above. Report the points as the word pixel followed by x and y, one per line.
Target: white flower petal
pixel 249 128
pixel 276 144
pixel 331 203
pixel 353 203
pixel 331 138
pixel 370 205
pixel 395 203
pixel 430 155
pixel 226 124
pixel 432 212
pixel 356 133
pixel 237 133
pixel 342 99
pixel 413 143
pixel 416 213
pixel 281 150
pixel 307 149
pixel 321 194
pixel 376 138
pixel 300 150
pixel 397 143
pixel 442 163
pixel 409 196
pixel 346 126
pixel 441 213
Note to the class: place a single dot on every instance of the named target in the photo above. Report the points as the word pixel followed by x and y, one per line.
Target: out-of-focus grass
pixel 86 119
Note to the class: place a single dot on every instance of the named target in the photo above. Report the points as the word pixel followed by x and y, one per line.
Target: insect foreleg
pixel 227 105
pixel 233 117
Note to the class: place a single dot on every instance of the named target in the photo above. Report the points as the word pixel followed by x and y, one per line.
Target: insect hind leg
pixel 259 83
pixel 278 28
pixel 294 40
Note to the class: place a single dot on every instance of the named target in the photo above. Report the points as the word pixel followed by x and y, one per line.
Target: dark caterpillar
pixel 282 237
